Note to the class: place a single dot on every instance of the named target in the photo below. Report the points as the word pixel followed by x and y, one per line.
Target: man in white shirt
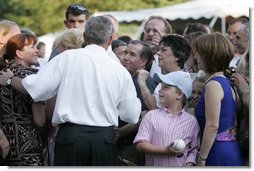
pixel 92 91
pixel 239 34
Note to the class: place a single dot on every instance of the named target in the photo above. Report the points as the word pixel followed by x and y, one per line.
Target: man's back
pixel 92 88
pixel 92 91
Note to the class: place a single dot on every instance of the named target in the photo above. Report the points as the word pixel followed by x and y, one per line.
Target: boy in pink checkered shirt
pixel 161 127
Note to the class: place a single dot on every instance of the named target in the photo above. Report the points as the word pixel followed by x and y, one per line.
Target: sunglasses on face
pixel 78 7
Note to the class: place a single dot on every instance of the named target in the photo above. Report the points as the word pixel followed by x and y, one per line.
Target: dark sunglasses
pixel 78 7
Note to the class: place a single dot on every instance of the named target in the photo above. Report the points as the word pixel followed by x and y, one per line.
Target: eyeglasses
pixel 234 35
pixel 78 7
pixel 154 30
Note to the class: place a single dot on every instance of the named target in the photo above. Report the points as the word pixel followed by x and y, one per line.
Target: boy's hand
pixel 172 152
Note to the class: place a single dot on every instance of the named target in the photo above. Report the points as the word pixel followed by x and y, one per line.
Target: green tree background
pixel 45 16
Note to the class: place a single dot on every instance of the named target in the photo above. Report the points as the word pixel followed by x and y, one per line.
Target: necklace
pixel 214 75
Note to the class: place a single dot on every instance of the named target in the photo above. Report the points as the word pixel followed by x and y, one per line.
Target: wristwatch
pixel 9 80
pixel 201 158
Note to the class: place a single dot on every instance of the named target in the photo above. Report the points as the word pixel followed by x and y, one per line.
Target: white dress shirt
pixel 92 89
pixel 156 95
pixel 234 62
pixel 42 61
pixel 112 54
pixel 155 66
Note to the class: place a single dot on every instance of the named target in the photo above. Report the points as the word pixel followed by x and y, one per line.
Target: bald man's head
pixel 115 25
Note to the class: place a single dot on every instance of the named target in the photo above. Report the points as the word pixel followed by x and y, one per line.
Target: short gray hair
pixel 246 30
pixel 114 21
pixel 98 30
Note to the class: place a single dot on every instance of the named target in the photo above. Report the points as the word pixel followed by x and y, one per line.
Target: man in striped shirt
pixel 161 127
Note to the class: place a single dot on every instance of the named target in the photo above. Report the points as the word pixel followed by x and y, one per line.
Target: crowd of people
pixel 106 100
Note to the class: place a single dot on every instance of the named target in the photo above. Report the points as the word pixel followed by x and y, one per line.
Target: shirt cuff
pixel 191 159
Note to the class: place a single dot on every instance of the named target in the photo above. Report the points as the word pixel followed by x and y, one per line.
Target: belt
pixel 69 124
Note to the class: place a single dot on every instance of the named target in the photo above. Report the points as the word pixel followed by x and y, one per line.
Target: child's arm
pixel 149 148
pixel 193 145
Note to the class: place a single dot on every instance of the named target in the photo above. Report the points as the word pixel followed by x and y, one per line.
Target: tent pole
pixel 223 25
pixel 140 29
pixel 213 21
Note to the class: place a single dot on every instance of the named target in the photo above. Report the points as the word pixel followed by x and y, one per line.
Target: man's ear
pixel 65 23
pixel 115 36
pixel 2 40
pixel 144 61
pixel 110 39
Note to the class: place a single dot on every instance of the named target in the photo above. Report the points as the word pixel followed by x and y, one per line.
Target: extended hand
pixel 4 76
pixel 4 145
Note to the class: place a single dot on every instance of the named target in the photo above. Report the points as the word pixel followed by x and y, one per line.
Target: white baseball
pixel 179 145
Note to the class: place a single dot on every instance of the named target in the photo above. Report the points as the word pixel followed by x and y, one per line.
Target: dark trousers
pixel 79 145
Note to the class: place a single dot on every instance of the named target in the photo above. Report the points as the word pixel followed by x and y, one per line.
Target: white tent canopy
pixel 195 9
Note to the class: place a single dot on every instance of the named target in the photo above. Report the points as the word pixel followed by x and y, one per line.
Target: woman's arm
pixel 4 144
pixel 212 114
pixel 15 81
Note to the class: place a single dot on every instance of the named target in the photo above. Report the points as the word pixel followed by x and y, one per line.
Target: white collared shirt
pixel 155 66
pixel 234 61
pixel 92 89
pixel 112 54
pixel 42 61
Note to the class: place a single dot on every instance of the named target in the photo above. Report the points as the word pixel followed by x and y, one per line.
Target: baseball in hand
pixel 179 145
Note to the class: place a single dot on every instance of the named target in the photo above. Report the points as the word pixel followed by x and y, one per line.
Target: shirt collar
pixel 168 111
pixel 156 58
pixel 97 47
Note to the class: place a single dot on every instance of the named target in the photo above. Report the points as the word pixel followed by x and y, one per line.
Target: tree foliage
pixel 44 16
